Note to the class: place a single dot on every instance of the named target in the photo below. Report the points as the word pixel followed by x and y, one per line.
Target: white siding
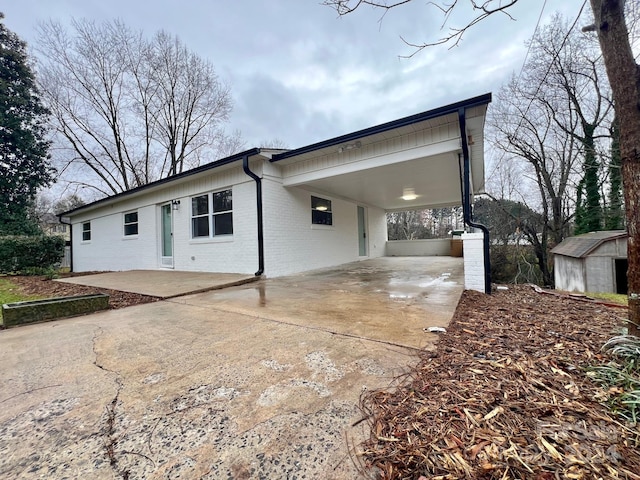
pixel 377 232
pixel 420 248
pixel 109 249
pixel 237 253
pixel 473 244
pixel 292 244
pixel 382 148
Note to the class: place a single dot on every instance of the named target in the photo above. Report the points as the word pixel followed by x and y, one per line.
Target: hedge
pixel 20 254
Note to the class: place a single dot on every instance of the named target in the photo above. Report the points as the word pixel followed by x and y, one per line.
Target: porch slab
pixel 161 283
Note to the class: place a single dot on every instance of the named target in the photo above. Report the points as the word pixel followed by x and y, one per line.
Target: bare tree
pixel 624 75
pixel 556 116
pixel 551 157
pixel 128 110
pixel 480 11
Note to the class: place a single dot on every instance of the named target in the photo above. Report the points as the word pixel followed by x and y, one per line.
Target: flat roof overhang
pixel 377 166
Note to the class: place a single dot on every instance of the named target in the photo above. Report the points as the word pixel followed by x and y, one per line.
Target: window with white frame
pixel 321 213
pixel 130 224
pixel 212 214
pixel 86 231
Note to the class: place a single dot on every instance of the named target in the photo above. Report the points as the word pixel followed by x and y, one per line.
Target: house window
pixel 86 231
pixel 130 224
pixel 212 215
pixel 321 211
pixel 222 214
pixel 200 216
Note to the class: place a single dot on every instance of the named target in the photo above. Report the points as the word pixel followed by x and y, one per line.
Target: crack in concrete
pixel 29 391
pixel 111 439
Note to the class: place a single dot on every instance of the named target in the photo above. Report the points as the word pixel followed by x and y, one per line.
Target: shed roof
pixel 582 245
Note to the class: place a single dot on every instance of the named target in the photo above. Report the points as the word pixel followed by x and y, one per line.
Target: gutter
pixel 258 180
pixel 70 241
pixel 466 199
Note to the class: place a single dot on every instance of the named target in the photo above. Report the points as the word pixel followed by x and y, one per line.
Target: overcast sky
pixel 301 74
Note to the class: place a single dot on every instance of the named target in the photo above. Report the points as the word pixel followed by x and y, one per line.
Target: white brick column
pixel 473 248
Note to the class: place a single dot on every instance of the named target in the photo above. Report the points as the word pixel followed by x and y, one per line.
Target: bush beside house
pixel 27 254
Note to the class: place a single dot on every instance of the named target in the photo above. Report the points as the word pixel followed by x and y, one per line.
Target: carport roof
pixel 582 245
pixel 377 130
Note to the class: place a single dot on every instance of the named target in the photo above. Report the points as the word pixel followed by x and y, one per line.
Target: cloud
pixel 300 73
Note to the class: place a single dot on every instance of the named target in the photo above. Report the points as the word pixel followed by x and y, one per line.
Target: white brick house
pixel 279 212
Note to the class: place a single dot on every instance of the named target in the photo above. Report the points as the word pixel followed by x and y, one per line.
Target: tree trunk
pixel 624 77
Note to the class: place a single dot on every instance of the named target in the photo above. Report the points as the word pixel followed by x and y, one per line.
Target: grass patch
pixel 9 293
pixel 610 297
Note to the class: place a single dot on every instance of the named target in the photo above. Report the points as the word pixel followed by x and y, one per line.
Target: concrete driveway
pixel 255 381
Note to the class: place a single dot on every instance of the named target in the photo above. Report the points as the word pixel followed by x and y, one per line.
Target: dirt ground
pixel 43 287
pixel 508 395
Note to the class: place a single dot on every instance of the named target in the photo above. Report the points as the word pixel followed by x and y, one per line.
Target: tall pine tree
pixel 24 159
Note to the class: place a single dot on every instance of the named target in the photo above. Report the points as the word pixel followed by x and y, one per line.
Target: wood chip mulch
pixel 506 396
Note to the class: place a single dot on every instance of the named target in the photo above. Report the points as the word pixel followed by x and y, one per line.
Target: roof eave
pixel 402 122
pixel 149 186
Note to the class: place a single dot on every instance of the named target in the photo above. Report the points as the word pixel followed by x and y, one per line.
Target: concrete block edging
pixel 32 311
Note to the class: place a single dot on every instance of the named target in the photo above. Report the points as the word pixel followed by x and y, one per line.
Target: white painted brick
pixel 291 243
pixel 473 261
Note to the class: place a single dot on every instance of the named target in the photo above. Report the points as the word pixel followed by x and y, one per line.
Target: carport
pixel 431 160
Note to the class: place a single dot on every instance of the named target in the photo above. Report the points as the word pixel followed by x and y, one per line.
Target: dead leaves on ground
pixel 505 396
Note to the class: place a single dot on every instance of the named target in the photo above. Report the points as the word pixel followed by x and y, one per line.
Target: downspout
pixel 258 180
pixel 70 242
pixel 466 199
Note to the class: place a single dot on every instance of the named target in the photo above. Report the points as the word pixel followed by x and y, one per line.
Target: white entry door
pixel 166 236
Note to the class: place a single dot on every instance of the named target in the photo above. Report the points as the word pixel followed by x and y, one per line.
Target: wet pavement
pixel 255 381
pixel 389 299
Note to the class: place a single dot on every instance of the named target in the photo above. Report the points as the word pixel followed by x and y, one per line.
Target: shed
pixel 592 262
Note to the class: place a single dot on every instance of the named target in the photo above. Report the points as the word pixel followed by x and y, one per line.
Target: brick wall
pixel 473 261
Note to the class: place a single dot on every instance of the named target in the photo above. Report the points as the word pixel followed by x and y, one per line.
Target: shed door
pixel 621 266
pixel 166 236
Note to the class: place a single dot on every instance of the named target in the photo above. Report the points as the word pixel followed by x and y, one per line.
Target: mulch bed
pixel 43 287
pixel 506 396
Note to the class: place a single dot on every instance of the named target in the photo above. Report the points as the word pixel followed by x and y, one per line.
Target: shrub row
pixel 20 254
